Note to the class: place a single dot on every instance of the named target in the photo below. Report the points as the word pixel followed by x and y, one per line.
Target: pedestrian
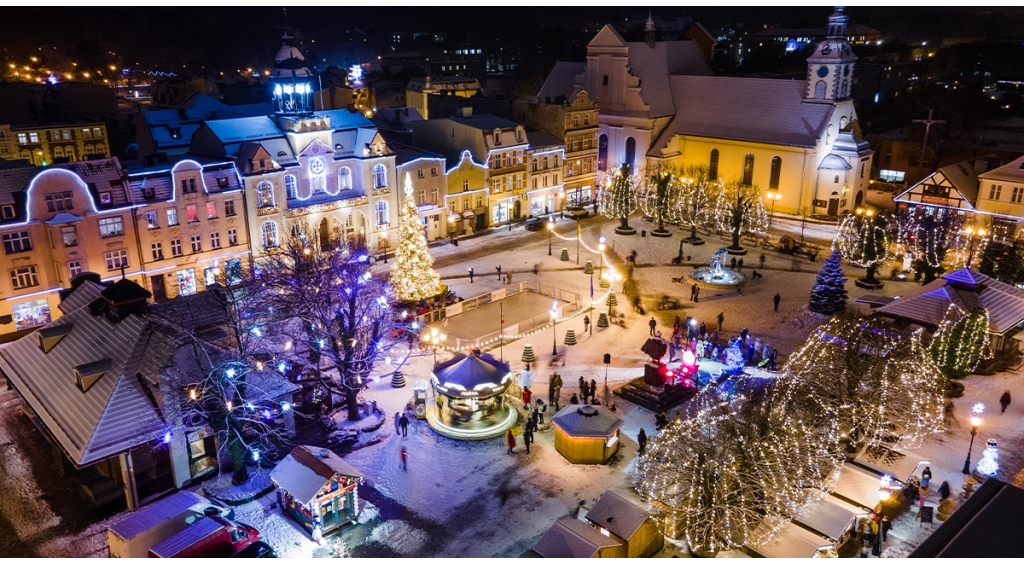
pixel 926 476
pixel 584 391
pixel 404 422
pixel 703 329
pixel 586 323
pixel 508 277
pixel 660 420
pixel 776 301
pixel 593 390
pixel 405 458
pixel 696 295
pixel 641 439
pixel 732 263
pixel 675 327
pixel 672 348
pixel 739 264
pixel 511 439
pixel 652 324
pixel 398 428
pixel 583 387
pixel 498 268
pixel 558 390
pixel 541 408
pixel 743 336
pixel 944 490
pixel 762 261
pixel 1004 401
pixel 574 400
pixel 527 439
pixel 551 389
pixel 527 396
pixel 773 359
pixel 693 292
pixel 471 275
pixel 721 320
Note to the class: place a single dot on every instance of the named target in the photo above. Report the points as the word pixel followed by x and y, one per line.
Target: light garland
pixel 698 199
pixel 863 240
pixel 928 233
pixel 961 342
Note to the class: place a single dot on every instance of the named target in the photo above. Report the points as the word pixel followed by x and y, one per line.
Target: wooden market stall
pixel 628 523
pixel 317 489
pixel 586 434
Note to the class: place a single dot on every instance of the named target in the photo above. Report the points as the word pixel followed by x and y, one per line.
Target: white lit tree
pixel 412 275
pixel 863 240
pixel 961 341
pixel 927 234
pixel 618 199
pixel 740 210
pixel 697 201
pixel 658 197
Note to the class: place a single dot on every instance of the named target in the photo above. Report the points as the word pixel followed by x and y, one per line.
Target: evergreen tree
pixel 961 342
pixel 618 199
pixel 828 296
pixel 413 276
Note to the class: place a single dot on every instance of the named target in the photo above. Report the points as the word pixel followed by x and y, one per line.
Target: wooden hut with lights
pixel 317 489
pixel 615 515
pixel 470 400
pixel 586 434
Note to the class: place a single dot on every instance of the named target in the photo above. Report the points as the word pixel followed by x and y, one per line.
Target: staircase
pixel 654 398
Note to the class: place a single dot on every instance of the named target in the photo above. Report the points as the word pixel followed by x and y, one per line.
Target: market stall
pixel 794 542
pixel 832 518
pixel 857 487
pixel 886 460
pixel 586 434
pixel 470 400
pixel 317 489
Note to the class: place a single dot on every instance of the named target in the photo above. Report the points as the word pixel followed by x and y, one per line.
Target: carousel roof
pixel 470 371
pixel 587 421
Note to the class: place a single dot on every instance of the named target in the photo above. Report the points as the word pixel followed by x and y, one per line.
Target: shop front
pixel 317 489
pixel 31 313
pixel 578 195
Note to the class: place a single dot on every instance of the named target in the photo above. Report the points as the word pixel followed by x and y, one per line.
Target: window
pixel 630 151
pixel 211 210
pixel 116 259
pixel 210 276
pixel 229 208
pixel 380 176
pixel 17 242
pixel 995 191
pixel 420 197
pixel 713 165
pixel 175 247
pixel 172 217
pixel 6 212
pixel 496 185
pixel 1018 194
pixel 586 119
pixel 197 243
pixel 433 171
pixel 158 251
pixel 66 134
pixel 290 190
pixel 232 237
pixel 265 194
pixel 604 80
pixel 891 175
pixel 382 213
pixel 269 232
pixel 187 282
pixel 111 227
pixel 75 268
pixel 602 152
pixel 22 139
pixel 748 169
pixel 59 201
pixel 344 178
pixel 33 137
pixel 465 186
pixel 215 240
pixel 773 180
pixel 576 119
pixel 508 183
pixel 58 152
pixel 192 212
pixel 419 173
pixel 24 277
pixel 188 185
pixel 433 195
pixel 535 183
pixel 70 235
pixel 152 220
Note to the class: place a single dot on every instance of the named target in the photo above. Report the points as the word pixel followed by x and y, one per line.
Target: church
pixel 662 108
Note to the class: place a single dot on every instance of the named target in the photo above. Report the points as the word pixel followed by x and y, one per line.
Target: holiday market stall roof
pixel 468 372
pixel 617 514
pixel 571 538
pixel 927 305
pixel 307 469
pixel 587 421
pixel 857 486
pixel 792 542
pixel 828 517
pixel 886 460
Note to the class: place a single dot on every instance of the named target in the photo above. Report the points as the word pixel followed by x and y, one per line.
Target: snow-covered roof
pixel 540 140
pixel 560 80
pixel 152 515
pixel 886 460
pixel 792 542
pixel 189 536
pixel 1010 172
pixel 571 538
pixel 857 486
pixel 928 304
pixel 307 469
pixel 244 129
pixel 618 514
pixel 656 66
pixel 827 518
pixel 63 217
pixel 100 175
pixel 833 161
pixel 760 110
pixel 587 421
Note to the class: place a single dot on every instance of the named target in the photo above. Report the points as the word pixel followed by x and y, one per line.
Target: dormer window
pixel 88 374
pixel 497 137
pixel 7 212
pixel 175 133
pixel 222 182
pixel 50 336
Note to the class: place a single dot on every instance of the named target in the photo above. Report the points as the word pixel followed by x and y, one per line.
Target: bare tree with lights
pixel 735 473
pixel 927 234
pixel 863 240
pixel 618 199
pixel 658 197
pixel 740 210
pixel 697 201
pixel 875 383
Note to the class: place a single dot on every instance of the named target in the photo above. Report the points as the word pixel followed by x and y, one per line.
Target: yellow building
pixel 467 198
pixel 419 90
pixel 55 223
pixel 46 145
pixel 192 229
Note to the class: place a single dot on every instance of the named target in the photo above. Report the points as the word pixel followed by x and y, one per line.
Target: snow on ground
pixel 287 537
pixel 221 487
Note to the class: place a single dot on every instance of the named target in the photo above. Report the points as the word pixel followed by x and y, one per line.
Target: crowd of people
pixel 709 345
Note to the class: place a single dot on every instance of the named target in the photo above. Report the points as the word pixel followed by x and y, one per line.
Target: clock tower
pixel 830 67
pixel 292 92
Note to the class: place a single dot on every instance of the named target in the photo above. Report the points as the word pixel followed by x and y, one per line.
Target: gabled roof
pixel 485 122
pixel 960 178
pixel 587 421
pixel 104 174
pixel 244 129
pixel 307 469
pixel 571 538
pixel 607 37
pixel 759 110
pixel 618 514
pixel 1010 172
pixel 159 180
pixel 540 140
pixel 560 80
pixel 655 66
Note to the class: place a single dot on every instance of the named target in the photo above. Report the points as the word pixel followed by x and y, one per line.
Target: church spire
pixel 649 30
pixel 837 23
pixel 830 67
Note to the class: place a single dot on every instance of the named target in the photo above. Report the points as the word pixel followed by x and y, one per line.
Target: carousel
pixel 470 402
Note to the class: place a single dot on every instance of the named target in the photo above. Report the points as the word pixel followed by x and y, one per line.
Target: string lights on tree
pixel 618 200
pixel 413 276
pixel 927 234
pixel 863 240
pixel 740 211
pixel 697 201
pixel 961 342
pixel 659 198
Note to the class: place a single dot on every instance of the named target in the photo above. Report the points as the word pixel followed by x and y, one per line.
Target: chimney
pixel 120 300
pixel 182 113
pixel 466 112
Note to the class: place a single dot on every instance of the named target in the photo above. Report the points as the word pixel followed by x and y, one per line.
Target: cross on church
pixel 927 129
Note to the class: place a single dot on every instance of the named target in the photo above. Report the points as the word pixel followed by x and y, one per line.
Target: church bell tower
pixel 830 67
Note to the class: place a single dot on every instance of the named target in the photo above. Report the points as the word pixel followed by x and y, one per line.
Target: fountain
pixel 716 275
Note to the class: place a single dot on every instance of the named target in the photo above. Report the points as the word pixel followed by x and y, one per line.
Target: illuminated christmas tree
pixel 927 234
pixel 413 276
pixel 741 211
pixel 697 201
pixel 659 197
pixel 961 342
pixel 618 199
pixel 828 296
pixel 863 240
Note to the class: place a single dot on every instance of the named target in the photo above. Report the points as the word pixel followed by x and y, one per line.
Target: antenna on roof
pixel 320 80
pixel 122 271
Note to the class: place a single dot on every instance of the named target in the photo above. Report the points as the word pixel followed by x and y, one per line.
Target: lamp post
pixel 579 235
pixel 554 328
pixel 976 420
pixel 551 229
pixel 600 248
pixel 884 493
pixel 451 228
pixel 435 338
pixel 384 243
pixel 774 196
pixel 974 234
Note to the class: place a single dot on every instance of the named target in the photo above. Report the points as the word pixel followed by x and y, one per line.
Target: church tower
pixel 292 92
pixel 649 31
pixel 830 67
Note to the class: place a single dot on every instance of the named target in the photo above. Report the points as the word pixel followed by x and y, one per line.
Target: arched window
pixel 748 169
pixel 630 151
pixel 58 152
pixel 545 163
pixel 586 119
pixel 773 180
pixel 842 90
pixel 819 90
pixel 69 152
pixel 380 176
pixel 265 194
pixel 602 152
pixel 535 165
pixel 269 231
pixel 344 178
pixel 382 213
pixel 713 165
pixel 289 187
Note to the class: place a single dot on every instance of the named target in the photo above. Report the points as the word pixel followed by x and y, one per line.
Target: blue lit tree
pixel 828 296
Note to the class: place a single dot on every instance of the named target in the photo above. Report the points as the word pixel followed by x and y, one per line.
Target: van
pixel 209 537
pixel 139 531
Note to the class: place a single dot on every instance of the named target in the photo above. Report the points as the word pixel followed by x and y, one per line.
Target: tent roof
pixel 792 542
pixel 587 421
pixel 827 518
pixel 889 461
pixel 470 371
pixel 857 486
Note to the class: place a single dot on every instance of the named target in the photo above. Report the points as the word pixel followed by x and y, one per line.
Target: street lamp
pixel 600 247
pixel 551 229
pixel 976 420
pixel 451 228
pixel 554 328
pixel 435 338
pixel 974 235
pixel 885 491
pixel 774 196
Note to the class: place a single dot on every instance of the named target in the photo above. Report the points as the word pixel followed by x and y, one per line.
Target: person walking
pixel 471 271
pixel 721 320
pixel 405 458
pixel 739 265
pixel 541 408
pixel 398 427
pixel 776 301
pixel 527 439
pixel 404 422
pixel 641 439
pixel 652 324
pixel 944 490
pixel 703 329
pixel 498 268
pixel 1004 401
pixel 558 391
pixel 732 263
pixel 508 277
pixel 675 326
pixel 583 387
pixel 696 295
pixel 593 390
pixel 527 396
pixel 511 439
pixel 586 323
pixel 762 261
pixel 693 292
pixel 584 391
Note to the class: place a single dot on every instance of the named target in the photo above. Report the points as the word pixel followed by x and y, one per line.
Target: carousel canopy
pixel 587 421
pixel 307 469
pixel 470 371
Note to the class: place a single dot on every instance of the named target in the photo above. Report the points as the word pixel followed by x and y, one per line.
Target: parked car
pixel 575 212
pixel 209 537
pixel 133 536
pixel 535 223
pixel 258 549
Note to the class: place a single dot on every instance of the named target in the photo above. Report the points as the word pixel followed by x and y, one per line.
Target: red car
pixel 209 537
